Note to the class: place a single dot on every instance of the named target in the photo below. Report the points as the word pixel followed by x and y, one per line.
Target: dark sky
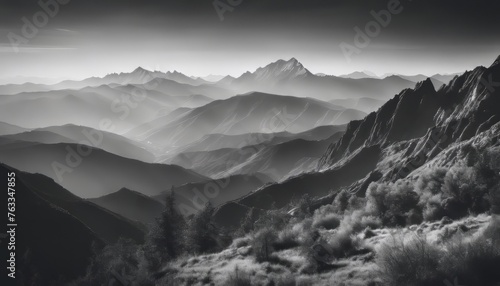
pixel 91 37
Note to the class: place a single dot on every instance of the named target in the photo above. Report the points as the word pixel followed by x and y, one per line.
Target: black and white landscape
pixel 250 142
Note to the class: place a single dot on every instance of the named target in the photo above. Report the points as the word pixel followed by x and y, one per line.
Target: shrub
pixel 341 202
pixel 284 280
pixel 331 221
pixel 473 263
pixel 117 261
pixel 465 260
pixel 304 206
pixel 276 219
pixel 239 278
pixel 247 225
pixel 393 202
pixel 465 192
pixel 286 239
pixel 263 244
pixel 356 203
pixel 359 220
pixel 433 210
pixel 414 262
pixel 493 230
pixel 241 242
pixel 431 182
pixel 343 244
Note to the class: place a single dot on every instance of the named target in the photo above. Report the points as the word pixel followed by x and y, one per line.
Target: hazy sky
pixel 92 38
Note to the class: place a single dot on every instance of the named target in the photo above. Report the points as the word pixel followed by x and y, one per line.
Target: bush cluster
pixel 417 262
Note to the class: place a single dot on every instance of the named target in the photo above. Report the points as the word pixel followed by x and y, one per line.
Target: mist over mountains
pixel 133 155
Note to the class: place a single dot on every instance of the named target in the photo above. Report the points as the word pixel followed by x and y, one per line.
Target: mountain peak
pixel 293 62
pixel 124 191
pixel 425 85
pixel 140 70
pixel 496 62
pixel 360 75
pixel 282 70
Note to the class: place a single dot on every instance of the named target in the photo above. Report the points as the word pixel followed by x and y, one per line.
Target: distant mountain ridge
pixel 292 78
pixel 249 113
pixel 360 74
pixel 97 174
pixel 410 130
pixel 131 204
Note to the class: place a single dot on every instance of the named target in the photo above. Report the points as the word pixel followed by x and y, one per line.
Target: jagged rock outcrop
pixel 408 115
pixel 467 106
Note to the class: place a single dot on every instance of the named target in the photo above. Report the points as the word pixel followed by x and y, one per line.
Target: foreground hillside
pixel 237 265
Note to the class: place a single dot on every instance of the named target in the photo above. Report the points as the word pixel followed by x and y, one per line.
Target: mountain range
pixel 292 78
pixel 243 153
pixel 249 113
pixel 415 127
pixel 96 174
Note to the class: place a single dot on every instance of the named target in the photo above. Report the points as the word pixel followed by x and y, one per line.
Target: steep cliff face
pixel 429 120
pixel 408 115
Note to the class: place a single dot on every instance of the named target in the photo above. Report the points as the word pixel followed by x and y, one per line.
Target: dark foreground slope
pixel 58 231
pixel 51 244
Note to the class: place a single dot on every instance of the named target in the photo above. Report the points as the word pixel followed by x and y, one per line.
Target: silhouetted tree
pixel 202 234
pixel 166 235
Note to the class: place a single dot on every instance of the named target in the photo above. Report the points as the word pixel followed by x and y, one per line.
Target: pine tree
pixel 202 234
pixel 167 234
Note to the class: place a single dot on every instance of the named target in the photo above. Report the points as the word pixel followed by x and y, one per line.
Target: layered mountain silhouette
pixel 7 129
pixel 274 158
pixel 256 151
pixel 132 205
pixel 96 174
pixel 73 134
pixel 360 74
pixel 416 126
pixel 193 197
pixel 122 107
pixel 137 76
pixel 364 104
pixel 216 141
pixel 249 113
